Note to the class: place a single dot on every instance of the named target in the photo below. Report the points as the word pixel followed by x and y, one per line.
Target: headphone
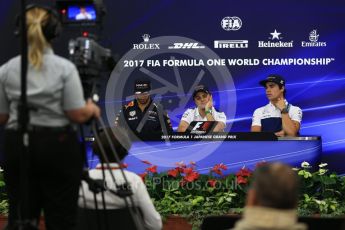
pixel 50 30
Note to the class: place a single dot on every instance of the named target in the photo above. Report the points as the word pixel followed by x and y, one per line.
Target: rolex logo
pixel 146 45
pixel 146 37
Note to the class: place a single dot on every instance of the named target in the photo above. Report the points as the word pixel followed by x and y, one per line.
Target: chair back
pixel 111 219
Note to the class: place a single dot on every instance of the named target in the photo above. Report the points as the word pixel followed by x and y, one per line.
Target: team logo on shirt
pixel 221 116
pixel 152 113
pixel 185 115
pixel 151 118
pixel 132 113
pixel 299 114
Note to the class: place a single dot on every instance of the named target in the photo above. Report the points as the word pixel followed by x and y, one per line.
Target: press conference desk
pixel 232 149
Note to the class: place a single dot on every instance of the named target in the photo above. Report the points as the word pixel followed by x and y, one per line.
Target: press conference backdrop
pixel 228 46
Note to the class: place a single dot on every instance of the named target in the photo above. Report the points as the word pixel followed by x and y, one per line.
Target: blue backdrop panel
pixel 206 154
pixel 317 89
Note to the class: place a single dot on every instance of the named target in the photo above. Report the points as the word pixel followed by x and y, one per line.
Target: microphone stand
pixel 23 120
pixel 94 185
pixel 124 191
pixel 98 185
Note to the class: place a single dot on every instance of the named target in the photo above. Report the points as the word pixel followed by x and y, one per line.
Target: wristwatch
pixel 284 111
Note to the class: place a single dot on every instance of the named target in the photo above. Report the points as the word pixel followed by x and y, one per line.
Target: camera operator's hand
pixel 95 110
pixel 85 113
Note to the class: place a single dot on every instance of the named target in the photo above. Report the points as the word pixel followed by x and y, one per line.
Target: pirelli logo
pixel 230 44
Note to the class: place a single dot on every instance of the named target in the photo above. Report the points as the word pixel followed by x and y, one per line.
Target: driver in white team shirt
pixel 204 111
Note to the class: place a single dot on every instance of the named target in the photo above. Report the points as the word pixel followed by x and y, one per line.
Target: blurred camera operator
pixel 55 96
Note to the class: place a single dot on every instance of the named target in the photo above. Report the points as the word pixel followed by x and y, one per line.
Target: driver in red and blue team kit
pixel 142 116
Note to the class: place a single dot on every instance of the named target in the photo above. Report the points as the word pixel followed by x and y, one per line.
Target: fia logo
pixel 146 37
pixel 313 36
pixel 231 23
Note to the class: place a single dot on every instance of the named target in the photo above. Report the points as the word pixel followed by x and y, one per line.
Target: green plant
pixel 183 191
pixel 321 191
pixel 3 195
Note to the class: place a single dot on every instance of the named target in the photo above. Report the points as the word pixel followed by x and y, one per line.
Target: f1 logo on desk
pixel 202 127
pixel 197 126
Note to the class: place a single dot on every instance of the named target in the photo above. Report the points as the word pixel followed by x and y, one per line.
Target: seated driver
pixel 204 111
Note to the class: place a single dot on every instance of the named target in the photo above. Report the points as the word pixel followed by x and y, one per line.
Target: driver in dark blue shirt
pixel 142 116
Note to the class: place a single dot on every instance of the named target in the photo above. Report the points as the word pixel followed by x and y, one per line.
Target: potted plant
pixel 182 192
pixel 184 197
pixel 3 201
pixel 322 192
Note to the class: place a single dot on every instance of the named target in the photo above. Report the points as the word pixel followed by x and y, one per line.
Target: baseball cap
pixel 275 78
pixel 142 86
pixel 200 88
